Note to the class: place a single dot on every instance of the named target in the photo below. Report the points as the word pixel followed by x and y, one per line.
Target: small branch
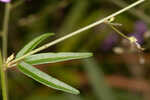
pixel 117 31
pixel 136 12
pixel 76 32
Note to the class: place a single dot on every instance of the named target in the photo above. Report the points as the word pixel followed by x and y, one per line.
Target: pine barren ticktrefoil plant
pixel 29 56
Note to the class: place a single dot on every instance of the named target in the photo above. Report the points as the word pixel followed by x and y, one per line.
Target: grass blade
pixel 45 79
pixel 44 58
pixel 31 45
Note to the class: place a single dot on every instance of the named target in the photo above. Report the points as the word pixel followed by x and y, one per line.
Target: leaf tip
pixel 89 54
pixel 50 34
pixel 76 92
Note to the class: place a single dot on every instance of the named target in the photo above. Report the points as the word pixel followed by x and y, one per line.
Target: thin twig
pixel 118 32
pixel 136 12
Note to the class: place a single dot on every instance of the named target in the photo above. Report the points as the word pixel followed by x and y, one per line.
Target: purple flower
pixel 109 42
pixel 138 36
pixel 139 29
pixel 5 1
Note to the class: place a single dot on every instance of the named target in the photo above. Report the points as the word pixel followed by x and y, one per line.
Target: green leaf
pixel 45 79
pixel 31 45
pixel 44 58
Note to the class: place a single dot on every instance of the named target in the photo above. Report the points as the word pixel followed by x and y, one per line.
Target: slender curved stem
pixel 118 32
pixel 76 32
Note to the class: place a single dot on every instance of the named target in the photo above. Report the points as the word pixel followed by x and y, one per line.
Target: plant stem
pixel 4 47
pixel 5 31
pixel 76 32
pixel 3 79
pixel 120 33
pixel 136 12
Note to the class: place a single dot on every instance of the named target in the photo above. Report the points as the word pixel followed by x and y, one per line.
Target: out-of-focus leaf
pixel 44 58
pixel 45 79
pixel 97 80
pixel 31 45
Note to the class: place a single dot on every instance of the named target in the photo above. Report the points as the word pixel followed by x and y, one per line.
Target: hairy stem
pixel 76 32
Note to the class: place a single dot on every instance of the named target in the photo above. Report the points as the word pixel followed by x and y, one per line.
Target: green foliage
pixel 43 58
pixel 31 45
pixel 45 79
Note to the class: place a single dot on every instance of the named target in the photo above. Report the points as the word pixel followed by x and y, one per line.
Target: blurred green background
pixel 117 71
